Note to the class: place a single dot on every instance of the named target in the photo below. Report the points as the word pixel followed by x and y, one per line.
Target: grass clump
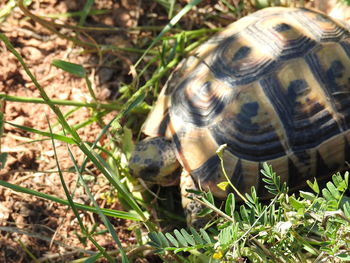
pixel 313 227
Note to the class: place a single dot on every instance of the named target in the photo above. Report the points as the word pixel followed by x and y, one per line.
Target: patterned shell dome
pixel 274 86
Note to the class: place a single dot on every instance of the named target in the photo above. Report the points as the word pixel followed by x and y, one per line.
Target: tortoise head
pixel 154 160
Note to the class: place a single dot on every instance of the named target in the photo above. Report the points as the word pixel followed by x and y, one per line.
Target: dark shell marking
pixel 275 87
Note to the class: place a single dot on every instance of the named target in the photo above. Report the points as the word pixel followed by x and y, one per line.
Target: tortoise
pixel 273 86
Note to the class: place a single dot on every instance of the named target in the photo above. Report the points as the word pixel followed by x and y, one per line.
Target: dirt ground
pixel 28 224
pixel 46 229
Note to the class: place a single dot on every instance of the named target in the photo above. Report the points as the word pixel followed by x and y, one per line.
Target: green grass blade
pixel 85 12
pixel 92 12
pixel 112 178
pixel 3 159
pixel 7 9
pixel 104 219
pixel 47 134
pixel 93 258
pixel 344 257
pixel 72 205
pixel 107 212
pixel 72 68
pixel 3 156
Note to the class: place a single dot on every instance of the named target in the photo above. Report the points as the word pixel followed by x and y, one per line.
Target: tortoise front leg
pixel 191 207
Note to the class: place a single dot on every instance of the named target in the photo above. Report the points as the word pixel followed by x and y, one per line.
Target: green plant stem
pixel 194 33
pixel 214 208
pixel 30 254
pixel 93 105
pixel 220 153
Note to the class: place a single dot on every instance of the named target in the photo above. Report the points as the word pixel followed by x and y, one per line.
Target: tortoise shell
pixel 275 87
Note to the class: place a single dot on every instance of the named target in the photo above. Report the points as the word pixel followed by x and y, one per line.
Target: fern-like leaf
pixel 273 182
pixel 172 239
pixel 346 209
pixel 187 237
pixel 205 236
pixel 196 236
pixel 180 238
pixel 155 241
pixel 230 204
